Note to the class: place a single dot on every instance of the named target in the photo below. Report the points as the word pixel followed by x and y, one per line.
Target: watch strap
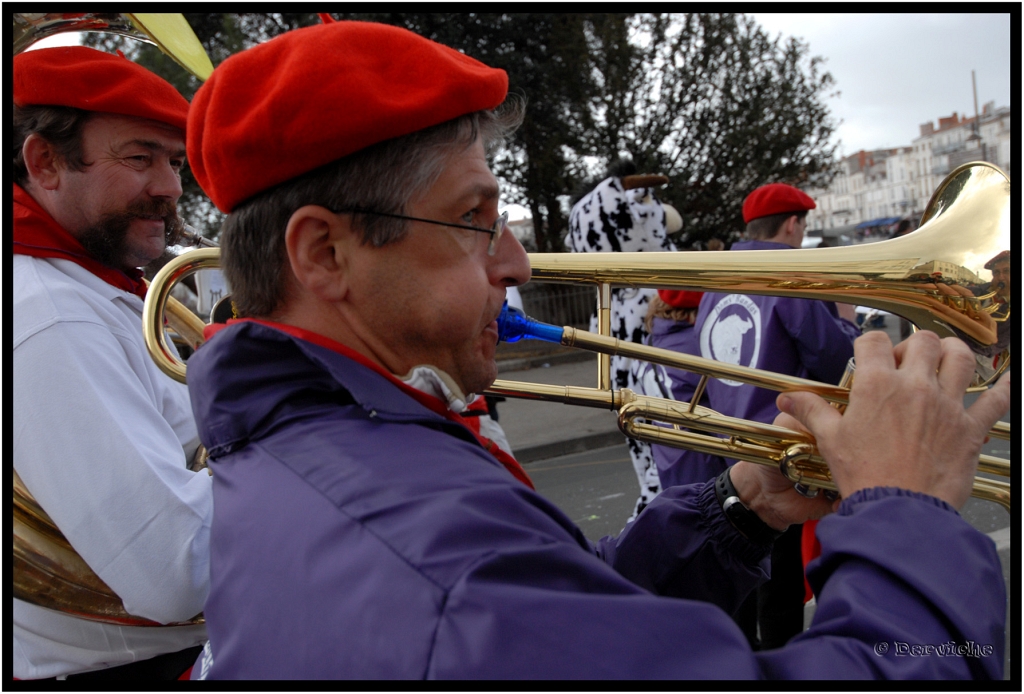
pixel 746 522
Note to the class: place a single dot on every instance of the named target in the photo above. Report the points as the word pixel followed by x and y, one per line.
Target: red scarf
pixel 429 401
pixel 36 233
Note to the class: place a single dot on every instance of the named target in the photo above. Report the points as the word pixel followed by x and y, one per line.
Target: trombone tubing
pixel 790 451
pixel 604 344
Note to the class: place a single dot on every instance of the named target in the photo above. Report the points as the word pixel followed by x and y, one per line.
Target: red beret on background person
pixel 92 80
pixel 775 198
pixel 1000 257
pixel 680 298
pixel 246 134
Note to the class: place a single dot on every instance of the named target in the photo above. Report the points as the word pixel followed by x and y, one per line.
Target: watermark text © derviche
pixel 900 649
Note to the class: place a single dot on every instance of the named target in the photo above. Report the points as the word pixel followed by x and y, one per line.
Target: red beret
pixel 775 198
pixel 681 298
pixel 314 95
pixel 92 80
pixel 1000 257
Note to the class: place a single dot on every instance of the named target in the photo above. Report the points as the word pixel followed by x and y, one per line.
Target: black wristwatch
pixel 741 517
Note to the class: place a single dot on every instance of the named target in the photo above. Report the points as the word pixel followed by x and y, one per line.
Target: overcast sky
pixel 896 71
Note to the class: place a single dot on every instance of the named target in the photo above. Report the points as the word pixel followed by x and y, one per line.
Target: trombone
pixel 928 276
pixel 793 452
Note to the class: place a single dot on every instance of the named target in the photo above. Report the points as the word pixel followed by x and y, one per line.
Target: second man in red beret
pixel 103 439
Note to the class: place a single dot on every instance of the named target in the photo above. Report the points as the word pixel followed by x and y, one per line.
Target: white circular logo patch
pixel 732 333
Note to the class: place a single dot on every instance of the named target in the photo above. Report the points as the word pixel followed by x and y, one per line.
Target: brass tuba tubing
pixel 170 33
pixel 162 352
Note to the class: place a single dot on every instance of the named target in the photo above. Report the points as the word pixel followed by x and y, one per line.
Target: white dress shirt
pixel 101 439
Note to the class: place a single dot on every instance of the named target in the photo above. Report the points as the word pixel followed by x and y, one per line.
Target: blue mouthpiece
pixel 514 325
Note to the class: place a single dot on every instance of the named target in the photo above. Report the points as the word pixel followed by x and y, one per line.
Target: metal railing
pixel 559 304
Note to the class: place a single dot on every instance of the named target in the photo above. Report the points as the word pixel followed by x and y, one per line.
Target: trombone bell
pixel 930 276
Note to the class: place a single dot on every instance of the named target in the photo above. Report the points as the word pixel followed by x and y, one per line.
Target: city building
pixel 875 189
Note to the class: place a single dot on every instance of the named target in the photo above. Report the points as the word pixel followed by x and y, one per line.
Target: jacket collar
pixel 232 407
pixel 758 245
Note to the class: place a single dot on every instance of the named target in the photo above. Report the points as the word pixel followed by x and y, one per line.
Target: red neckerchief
pixel 429 401
pixel 36 233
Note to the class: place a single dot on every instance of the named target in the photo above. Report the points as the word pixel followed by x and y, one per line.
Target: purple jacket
pixel 675 465
pixel 356 534
pixel 798 337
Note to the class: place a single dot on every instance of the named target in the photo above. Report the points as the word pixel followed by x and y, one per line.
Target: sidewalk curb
pixel 535 454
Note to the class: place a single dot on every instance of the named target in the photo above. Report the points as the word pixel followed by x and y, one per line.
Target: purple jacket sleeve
pixel 823 339
pixel 889 581
pixel 682 546
pixel 912 592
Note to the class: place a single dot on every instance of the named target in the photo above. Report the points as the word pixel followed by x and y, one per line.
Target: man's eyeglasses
pixel 500 224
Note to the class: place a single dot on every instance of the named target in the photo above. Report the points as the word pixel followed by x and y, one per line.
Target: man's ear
pixel 788 229
pixel 42 162
pixel 317 242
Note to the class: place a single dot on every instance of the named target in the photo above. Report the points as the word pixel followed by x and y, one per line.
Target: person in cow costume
pixel 623 214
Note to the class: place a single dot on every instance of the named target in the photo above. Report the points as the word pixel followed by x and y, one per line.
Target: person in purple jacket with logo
pixel 670 319
pixel 799 337
pixel 362 531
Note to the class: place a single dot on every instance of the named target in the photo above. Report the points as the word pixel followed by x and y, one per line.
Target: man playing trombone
pixel 362 531
pixel 102 438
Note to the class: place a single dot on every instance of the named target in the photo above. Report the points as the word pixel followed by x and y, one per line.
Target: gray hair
pixel 383 178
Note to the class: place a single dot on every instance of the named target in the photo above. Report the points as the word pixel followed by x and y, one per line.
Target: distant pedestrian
pixel 670 322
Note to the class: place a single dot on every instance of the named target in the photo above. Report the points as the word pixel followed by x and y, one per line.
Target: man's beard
pixel 105 240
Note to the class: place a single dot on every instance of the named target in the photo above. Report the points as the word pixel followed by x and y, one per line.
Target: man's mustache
pixel 165 209
pixel 105 240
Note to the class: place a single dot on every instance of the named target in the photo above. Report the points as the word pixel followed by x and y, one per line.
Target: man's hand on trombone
pixel 906 425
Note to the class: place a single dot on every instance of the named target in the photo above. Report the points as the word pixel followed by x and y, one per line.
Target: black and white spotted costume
pixel 611 219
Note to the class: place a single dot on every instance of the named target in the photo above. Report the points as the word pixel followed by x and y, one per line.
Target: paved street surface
pixel 538 430
pixel 596 489
pixel 579 460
